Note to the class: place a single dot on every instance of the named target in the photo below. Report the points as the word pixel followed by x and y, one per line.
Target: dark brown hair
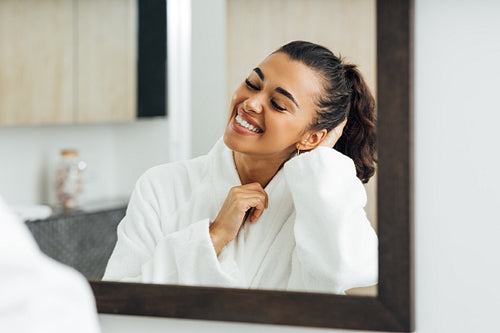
pixel 345 95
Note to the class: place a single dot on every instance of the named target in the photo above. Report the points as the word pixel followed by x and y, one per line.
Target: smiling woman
pixel 274 220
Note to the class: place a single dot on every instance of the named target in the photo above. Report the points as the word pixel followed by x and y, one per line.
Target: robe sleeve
pixel 336 247
pixel 146 253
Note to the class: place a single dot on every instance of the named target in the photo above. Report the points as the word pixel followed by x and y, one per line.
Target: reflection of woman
pixel 272 206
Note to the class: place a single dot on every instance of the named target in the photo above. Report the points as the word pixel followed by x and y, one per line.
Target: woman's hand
pixel 334 135
pixel 243 201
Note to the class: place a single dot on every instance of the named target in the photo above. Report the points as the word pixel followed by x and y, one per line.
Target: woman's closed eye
pixel 251 86
pixel 254 87
pixel 277 107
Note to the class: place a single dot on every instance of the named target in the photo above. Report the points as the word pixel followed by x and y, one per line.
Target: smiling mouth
pixel 242 122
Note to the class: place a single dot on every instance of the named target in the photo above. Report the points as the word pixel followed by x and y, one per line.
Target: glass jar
pixel 69 179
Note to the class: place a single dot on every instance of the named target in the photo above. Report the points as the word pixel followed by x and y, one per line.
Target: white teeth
pixel 245 124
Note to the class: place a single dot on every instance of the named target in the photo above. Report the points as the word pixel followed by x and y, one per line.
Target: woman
pixel 272 206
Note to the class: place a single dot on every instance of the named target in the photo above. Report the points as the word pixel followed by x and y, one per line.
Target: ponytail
pixel 358 140
pixel 345 95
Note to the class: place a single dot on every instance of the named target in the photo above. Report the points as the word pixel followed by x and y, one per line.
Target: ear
pixel 311 140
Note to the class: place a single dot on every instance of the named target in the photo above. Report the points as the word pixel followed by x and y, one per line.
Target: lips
pixel 249 120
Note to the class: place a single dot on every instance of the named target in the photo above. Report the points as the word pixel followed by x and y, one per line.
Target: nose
pixel 253 104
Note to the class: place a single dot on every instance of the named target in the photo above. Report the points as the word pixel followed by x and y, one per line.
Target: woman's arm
pixel 146 253
pixel 336 247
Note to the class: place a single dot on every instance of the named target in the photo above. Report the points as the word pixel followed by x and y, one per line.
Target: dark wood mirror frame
pixel 392 309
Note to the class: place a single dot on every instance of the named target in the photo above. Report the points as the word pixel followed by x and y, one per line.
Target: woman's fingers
pixel 258 188
pixel 244 202
pixel 257 205
pixel 249 195
pixel 252 207
pixel 255 214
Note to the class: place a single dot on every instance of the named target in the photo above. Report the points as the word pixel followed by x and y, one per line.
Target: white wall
pixel 457 226
pixel 114 152
pixel 209 103
pixel 457 116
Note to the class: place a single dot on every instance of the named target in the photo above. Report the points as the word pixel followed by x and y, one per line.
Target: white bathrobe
pixel 314 235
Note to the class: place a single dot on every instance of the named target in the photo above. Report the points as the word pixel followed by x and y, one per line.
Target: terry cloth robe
pixel 314 235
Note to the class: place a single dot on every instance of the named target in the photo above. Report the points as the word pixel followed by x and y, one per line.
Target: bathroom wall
pixel 209 103
pixel 114 155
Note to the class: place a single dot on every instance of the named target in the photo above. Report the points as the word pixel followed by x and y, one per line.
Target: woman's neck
pixel 252 169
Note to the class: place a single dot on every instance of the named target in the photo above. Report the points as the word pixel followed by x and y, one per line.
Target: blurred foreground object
pixel 39 294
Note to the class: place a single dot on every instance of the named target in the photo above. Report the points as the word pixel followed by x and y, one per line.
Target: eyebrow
pixel 259 72
pixel 287 94
pixel 278 89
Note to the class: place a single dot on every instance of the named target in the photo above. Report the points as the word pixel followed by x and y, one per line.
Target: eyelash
pixel 273 103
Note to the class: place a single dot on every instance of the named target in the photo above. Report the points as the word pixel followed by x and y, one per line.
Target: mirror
pixel 245 49
pixel 392 309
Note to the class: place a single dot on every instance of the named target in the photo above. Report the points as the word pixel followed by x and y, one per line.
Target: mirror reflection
pixel 258 211
pixel 272 205
pixel 211 234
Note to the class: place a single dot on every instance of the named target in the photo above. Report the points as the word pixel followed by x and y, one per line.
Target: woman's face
pixel 272 109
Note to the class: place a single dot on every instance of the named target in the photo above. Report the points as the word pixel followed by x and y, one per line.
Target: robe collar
pixel 222 166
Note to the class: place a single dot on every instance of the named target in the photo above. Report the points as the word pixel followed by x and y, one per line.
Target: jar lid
pixel 69 152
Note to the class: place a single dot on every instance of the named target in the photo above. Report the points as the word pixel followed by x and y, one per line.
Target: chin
pixel 229 141
pixel 236 142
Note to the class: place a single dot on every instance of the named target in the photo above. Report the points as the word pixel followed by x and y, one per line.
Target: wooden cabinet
pixel 107 60
pixel 66 61
pixel 36 61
